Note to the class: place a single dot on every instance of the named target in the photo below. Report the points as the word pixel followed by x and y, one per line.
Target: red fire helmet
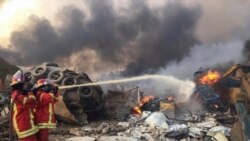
pixel 43 82
pixel 17 78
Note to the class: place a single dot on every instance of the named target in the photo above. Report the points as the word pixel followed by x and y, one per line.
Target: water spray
pixel 124 80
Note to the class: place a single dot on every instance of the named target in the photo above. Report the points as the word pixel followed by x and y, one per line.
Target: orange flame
pixel 145 99
pixel 210 78
pixel 137 110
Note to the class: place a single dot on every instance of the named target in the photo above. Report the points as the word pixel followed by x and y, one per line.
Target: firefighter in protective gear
pixel 22 110
pixel 46 96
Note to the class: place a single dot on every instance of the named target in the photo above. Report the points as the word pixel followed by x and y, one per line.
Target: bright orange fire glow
pixel 210 78
pixel 145 99
pixel 137 110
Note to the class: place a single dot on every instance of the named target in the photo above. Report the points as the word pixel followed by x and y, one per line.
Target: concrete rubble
pixel 130 115
pixel 157 119
pixel 155 126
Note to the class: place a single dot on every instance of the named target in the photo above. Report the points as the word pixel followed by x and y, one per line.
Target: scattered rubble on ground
pixel 138 128
pixel 131 116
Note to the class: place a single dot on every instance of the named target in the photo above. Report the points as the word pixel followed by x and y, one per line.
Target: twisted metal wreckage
pixel 77 102
pixel 82 102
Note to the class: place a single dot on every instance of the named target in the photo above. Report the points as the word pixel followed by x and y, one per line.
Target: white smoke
pixel 180 89
pixel 223 20
pixel 205 56
pixel 221 29
pixel 161 85
pixel 179 82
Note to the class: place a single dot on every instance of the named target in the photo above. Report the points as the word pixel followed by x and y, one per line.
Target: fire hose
pixel 145 77
pixel 125 80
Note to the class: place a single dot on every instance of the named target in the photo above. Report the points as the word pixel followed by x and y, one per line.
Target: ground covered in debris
pixel 152 126
pixel 205 116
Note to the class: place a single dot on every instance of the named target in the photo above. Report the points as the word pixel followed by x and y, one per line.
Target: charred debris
pixel 218 108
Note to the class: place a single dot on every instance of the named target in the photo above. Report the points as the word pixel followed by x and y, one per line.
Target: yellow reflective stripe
pixel 50 113
pixel 28 131
pixel 25 100
pixel 50 109
pixel 52 96
pixel 31 118
pixel 41 124
pixel 32 96
pixel 47 126
pixel 29 134
pixel 14 118
pixel 33 129
pixel 41 97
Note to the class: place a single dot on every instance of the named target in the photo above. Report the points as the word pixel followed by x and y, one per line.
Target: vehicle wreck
pixel 129 114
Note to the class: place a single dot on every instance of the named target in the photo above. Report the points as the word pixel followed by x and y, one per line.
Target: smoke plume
pixel 205 56
pixel 246 50
pixel 129 38
pixel 137 38
pixel 143 39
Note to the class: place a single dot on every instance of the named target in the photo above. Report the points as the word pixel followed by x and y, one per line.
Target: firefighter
pixel 23 104
pixel 46 96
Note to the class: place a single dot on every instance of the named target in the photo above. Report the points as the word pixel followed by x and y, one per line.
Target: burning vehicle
pixel 138 116
pixel 204 102
pixel 204 95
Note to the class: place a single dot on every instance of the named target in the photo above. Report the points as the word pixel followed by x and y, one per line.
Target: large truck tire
pixel 40 71
pixel 56 76
pixel 85 92
pixel 69 81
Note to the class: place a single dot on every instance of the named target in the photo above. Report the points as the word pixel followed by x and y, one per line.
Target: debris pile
pixel 205 116
pixel 152 126
pixel 4 124
pixel 209 114
pixel 4 115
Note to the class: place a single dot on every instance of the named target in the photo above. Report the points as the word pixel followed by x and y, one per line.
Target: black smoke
pixel 158 35
pixel 167 39
pixel 246 50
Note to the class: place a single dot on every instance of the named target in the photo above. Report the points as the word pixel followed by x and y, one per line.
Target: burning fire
pixel 137 110
pixel 210 78
pixel 145 99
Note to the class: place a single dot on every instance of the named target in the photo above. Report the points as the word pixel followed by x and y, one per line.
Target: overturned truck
pixel 80 101
pixel 75 105
pixel 230 93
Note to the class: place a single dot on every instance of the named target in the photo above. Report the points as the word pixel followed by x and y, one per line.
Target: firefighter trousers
pixel 43 135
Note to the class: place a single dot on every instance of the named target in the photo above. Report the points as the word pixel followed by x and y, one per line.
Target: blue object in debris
pixel 207 94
